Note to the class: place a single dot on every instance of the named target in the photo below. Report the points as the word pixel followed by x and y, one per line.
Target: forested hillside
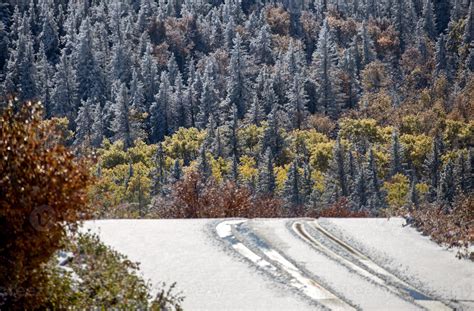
pixel 254 108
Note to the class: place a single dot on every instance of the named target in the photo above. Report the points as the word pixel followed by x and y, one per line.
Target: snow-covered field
pixel 295 264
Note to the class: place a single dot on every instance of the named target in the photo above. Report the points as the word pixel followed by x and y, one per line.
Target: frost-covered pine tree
pixel 297 101
pixel 256 113
pixel 352 84
pixel 292 188
pixel 88 73
pixel 360 196
pixel 64 94
pixel 266 177
pixel 261 46
pixel 413 195
pixel 120 63
pixel 404 18
pixel 463 175
pixel 179 104
pixel 176 172
pixel 307 183
pixel 121 125
pixel 49 36
pixel 368 53
pixel 209 98
pixel 376 199
pixel 44 72
pixel 98 132
pixel 238 83
pixel 468 35
pixel 429 22
pixel 433 165
pixel 149 72
pixel 272 137
pixel 339 167
pixel 446 191
pixel 325 60
pixel 204 166
pixel 441 58
pixel 84 122
pixel 160 110
pixel 21 71
pixel 158 173
pixel 4 44
pixel 396 156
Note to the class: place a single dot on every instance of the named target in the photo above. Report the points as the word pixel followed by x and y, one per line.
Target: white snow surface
pixel 189 253
pixel 214 276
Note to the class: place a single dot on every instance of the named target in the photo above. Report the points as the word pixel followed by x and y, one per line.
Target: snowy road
pixel 295 264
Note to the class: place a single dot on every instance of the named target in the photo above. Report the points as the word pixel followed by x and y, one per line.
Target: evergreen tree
pixel 441 9
pixel 160 110
pixel 429 23
pixel 292 188
pixel 336 184
pixel 352 84
pixel 325 61
pixel 256 113
pixel 433 166
pixel 176 172
pixel 232 126
pixel 396 157
pixel 307 184
pixel 272 137
pixel 179 104
pixel 20 78
pixel 360 196
pixel 209 99
pixel 413 195
pixel 149 72
pixel 159 172
pixel 49 34
pixel 120 64
pixel 463 174
pixel 88 73
pixel 404 19
pixel 376 198
pixel 441 55
pixel 44 72
pixel 367 45
pixel 235 168
pixel 121 125
pixel 261 46
pixel 97 126
pixel 64 94
pixel 204 166
pixel 468 36
pixel 84 122
pixel 238 86
pixel 447 187
pixel 297 100
pixel 266 178
pixel 4 43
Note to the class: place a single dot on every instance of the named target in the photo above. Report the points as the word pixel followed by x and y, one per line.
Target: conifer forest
pixel 368 104
pixel 245 108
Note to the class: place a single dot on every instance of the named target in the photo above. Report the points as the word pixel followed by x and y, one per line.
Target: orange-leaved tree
pixel 42 196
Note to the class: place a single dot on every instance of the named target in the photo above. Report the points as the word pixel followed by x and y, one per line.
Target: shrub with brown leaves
pixel 42 195
pixel 194 197
pixel 454 229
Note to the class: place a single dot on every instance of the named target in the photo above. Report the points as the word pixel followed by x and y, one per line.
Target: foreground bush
pixel 91 275
pixel 42 195
pixel 453 228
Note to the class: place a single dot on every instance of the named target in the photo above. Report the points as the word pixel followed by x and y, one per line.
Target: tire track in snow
pixel 277 264
pixel 400 287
